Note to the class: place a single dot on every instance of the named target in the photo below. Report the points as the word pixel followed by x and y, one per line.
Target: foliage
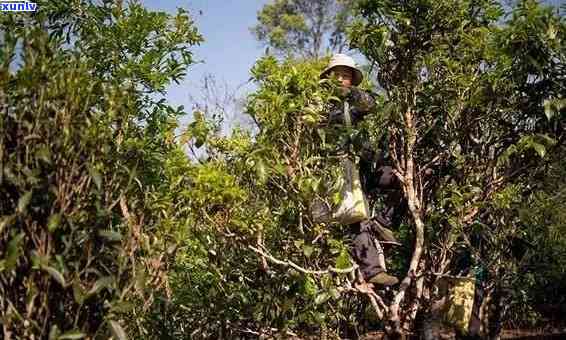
pixel 469 92
pixel 304 27
pixel 83 146
pixel 226 286
pixel 471 123
pixel 107 228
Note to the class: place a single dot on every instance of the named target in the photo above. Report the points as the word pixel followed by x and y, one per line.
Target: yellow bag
pixel 353 206
pixel 460 302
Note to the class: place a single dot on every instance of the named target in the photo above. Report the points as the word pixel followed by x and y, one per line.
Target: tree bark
pixel 410 183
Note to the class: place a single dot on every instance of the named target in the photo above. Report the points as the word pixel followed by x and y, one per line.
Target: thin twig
pixel 301 269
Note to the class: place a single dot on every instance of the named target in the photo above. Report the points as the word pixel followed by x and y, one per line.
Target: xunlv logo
pixel 17 6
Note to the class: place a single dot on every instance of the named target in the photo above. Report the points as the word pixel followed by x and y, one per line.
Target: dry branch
pixel 295 266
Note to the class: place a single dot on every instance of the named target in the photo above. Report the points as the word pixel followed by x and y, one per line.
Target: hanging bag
pixel 353 206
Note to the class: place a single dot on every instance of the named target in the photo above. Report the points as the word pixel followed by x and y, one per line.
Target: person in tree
pixel 377 178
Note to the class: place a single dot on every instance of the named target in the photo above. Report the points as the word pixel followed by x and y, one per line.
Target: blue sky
pixel 229 49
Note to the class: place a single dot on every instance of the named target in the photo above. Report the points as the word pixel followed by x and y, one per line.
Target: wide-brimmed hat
pixel 344 60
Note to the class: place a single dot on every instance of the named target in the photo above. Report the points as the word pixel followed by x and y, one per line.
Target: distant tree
pixel 306 28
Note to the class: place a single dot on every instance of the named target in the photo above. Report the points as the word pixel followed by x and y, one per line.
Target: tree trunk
pixel 409 179
pixel 496 313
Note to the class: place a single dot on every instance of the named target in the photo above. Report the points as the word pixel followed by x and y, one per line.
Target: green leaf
pixel 44 154
pixel 122 307
pixel 321 298
pixel 322 134
pixel 72 335
pixel 140 279
pixel 553 106
pixel 309 119
pixel 548 109
pixel 78 292
pixel 309 287
pixel 55 274
pixel 110 235
pixel 539 148
pixel 308 250
pixel 54 333
pixel 24 201
pixel 546 139
pixel 334 293
pixel 96 176
pixel 6 220
pixel 53 222
pixel 261 171
pixel 336 198
pixel 100 284
pixel 14 252
pixel 343 260
pixel 117 330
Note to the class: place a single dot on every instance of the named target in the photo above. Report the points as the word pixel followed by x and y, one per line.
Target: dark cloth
pixel 364 250
pixel 361 102
pixel 379 181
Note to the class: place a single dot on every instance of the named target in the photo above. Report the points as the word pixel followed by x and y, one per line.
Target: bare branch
pixel 301 269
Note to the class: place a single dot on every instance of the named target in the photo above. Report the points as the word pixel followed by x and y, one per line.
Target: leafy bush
pixel 83 150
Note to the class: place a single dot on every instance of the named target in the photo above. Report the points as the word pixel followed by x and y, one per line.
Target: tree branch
pixel 295 266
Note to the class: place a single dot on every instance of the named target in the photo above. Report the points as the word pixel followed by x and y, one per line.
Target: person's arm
pixel 395 207
pixel 362 103
pixel 387 179
pixel 394 204
pixel 362 100
pixel 335 115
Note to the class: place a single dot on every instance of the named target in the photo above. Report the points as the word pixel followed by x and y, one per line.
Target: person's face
pixel 344 75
